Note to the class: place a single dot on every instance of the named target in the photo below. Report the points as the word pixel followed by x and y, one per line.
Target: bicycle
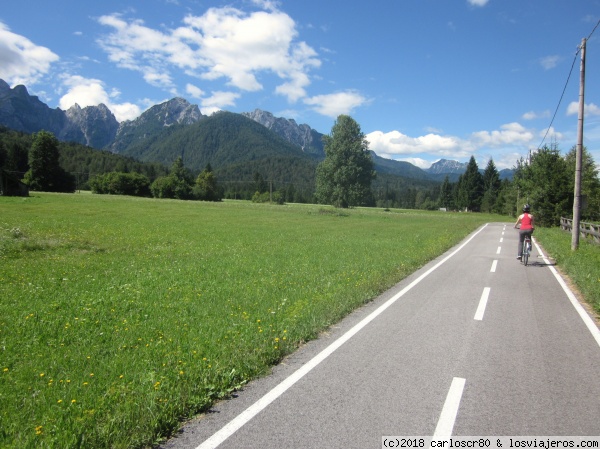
pixel 526 250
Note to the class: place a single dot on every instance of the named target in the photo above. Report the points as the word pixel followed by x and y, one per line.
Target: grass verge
pixel 581 266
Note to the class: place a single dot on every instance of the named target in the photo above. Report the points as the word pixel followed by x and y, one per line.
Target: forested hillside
pixel 81 161
pixel 222 139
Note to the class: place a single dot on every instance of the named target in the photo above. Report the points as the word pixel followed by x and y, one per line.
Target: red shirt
pixel 526 222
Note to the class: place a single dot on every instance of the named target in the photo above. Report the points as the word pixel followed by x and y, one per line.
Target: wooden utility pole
pixel 578 155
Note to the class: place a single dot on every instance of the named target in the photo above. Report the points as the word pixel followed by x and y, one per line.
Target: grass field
pixel 120 316
pixel 581 266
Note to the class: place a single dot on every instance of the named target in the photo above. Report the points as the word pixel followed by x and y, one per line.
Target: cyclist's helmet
pixel 526 208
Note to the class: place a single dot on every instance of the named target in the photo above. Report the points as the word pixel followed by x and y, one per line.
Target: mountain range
pixel 231 143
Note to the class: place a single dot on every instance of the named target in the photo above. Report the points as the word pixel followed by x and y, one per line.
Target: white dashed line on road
pixel 450 410
pixel 482 303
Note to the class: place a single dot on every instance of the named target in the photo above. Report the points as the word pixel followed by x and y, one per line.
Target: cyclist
pixel 527 226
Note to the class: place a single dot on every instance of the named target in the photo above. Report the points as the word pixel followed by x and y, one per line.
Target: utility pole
pixel 578 155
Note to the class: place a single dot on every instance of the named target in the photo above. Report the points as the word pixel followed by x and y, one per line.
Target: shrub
pixel 171 187
pixel 275 197
pixel 116 183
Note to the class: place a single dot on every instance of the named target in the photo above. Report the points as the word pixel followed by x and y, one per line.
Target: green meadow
pixel 582 266
pixel 120 317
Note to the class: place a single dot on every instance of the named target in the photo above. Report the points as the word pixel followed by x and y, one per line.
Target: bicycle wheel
pixel 525 253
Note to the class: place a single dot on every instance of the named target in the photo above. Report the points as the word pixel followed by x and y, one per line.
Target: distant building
pixel 10 185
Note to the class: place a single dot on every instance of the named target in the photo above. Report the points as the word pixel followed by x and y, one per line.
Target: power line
pixel 560 100
pixel 566 84
pixel 588 38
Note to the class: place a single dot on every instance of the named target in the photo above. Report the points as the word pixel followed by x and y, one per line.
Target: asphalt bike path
pixel 474 343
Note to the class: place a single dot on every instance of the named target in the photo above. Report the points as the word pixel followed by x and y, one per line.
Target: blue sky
pixel 425 79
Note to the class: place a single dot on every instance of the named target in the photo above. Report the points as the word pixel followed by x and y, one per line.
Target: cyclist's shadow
pixel 537 263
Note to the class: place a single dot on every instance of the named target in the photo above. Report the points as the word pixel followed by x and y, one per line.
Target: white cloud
pixel 550 133
pixel 332 105
pixel 532 115
pixel 91 92
pixel 269 5
pixel 124 111
pixel 217 101
pixel 503 145
pixel 294 89
pixel 588 109
pixel 84 92
pixel 505 159
pixel 222 43
pixel 194 91
pixel 21 61
pixel 549 62
pixel 509 134
pixel 433 130
pixel 478 2
pixel 159 79
pixel 396 143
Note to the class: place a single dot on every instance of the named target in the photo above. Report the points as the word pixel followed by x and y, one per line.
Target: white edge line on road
pixel 494 265
pixel 482 303
pixel 236 423
pixel 578 307
pixel 450 410
pixel 498 250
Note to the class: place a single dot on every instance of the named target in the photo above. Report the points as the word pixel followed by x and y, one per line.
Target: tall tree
pixel 446 200
pixel 470 187
pixel 491 187
pixel 3 154
pixel 206 188
pixel 45 172
pixel 544 183
pixel 261 186
pixel 590 183
pixel 506 203
pixel 344 177
pixel 178 184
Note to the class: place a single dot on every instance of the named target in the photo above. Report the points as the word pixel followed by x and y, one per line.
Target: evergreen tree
pixel 206 188
pixel 177 184
pixel 344 177
pixel 506 203
pixel 491 187
pixel 446 200
pixel 3 154
pixel 261 186
pixel 470 191
pixel 45 172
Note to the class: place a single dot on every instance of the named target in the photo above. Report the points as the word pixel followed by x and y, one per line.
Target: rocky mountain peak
pixel 75 112
pixel 21 91
pixel 95 126
pixel 4 87
pixel 301 135
pixel 177 110
pixel 23 112
pixel 446 166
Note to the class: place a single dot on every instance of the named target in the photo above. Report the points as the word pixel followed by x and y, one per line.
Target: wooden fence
pixel 585 229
